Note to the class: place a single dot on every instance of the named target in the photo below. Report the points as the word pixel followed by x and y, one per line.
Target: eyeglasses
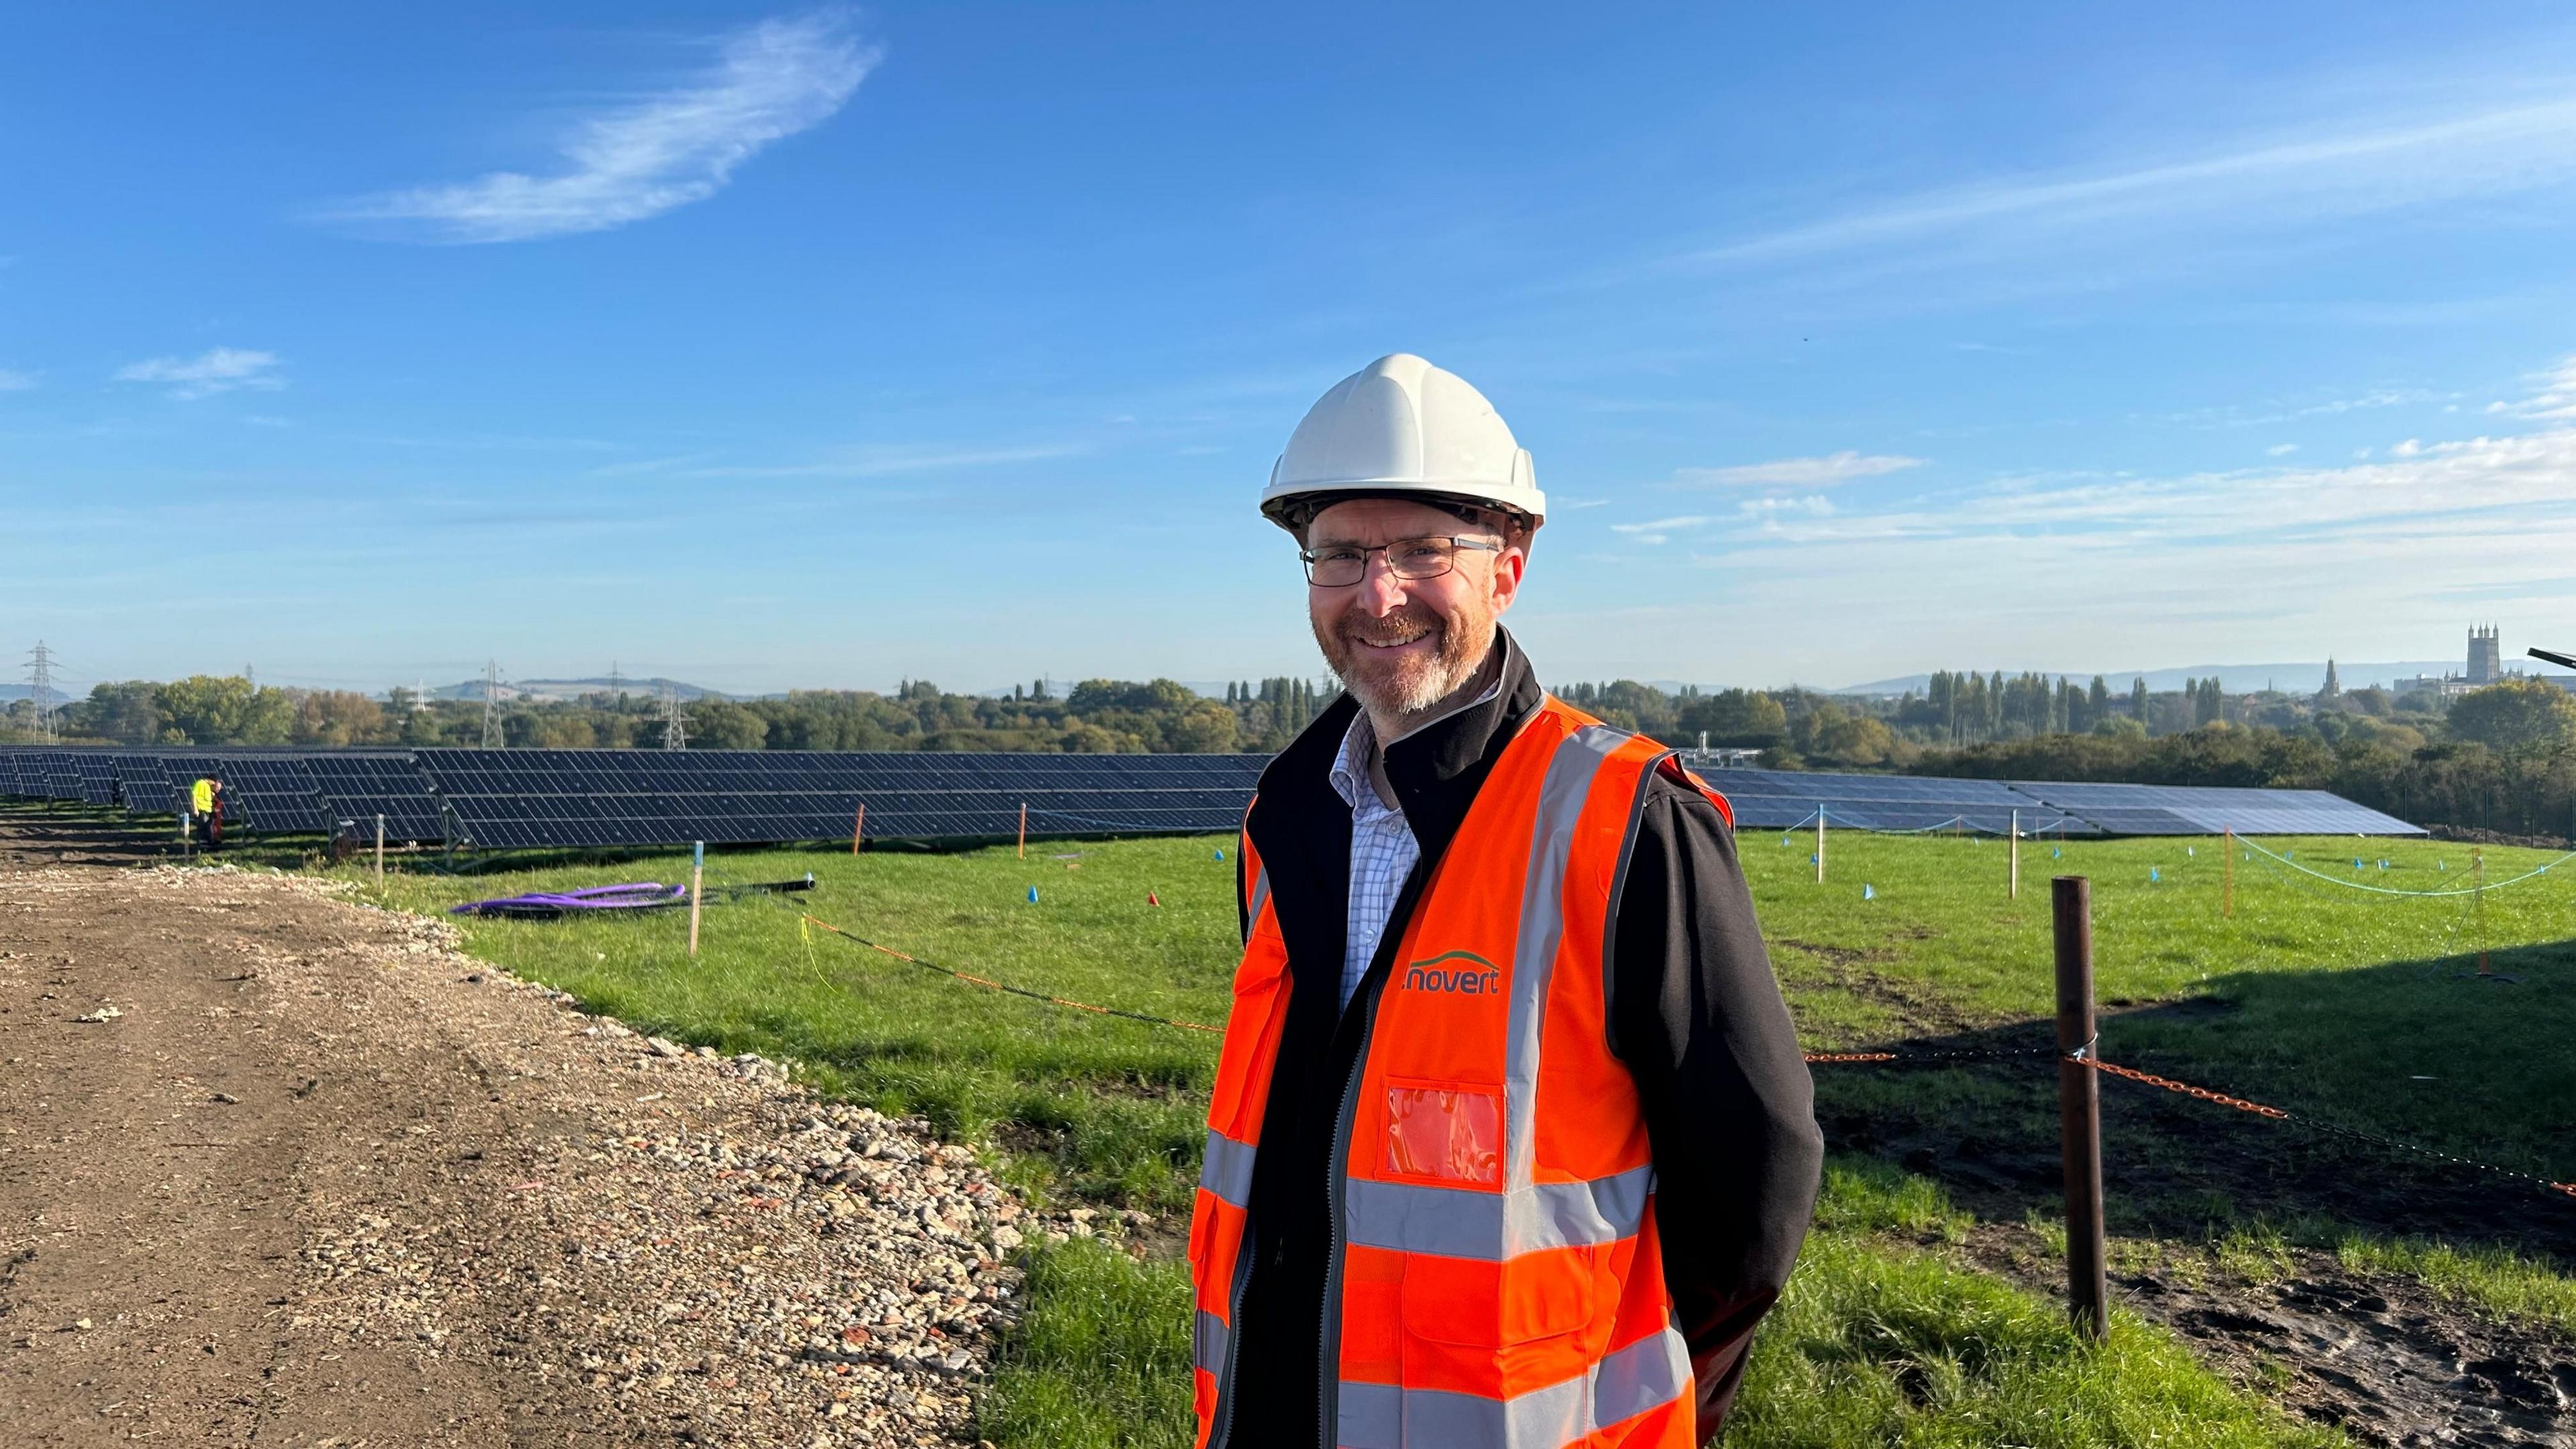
pixel 1340 565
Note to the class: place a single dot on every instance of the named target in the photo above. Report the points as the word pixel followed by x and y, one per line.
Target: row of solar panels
pixel 1782 799
pixel 506 799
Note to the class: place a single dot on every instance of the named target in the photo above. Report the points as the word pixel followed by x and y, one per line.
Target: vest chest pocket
pixel 1443 1132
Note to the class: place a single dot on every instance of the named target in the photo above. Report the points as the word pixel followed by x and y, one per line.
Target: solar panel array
pixel 142 783
pixel 2210 810
pixel 1779 799
pixel 357 788
pixel 514 799
pixel 511 798
pixel 97 777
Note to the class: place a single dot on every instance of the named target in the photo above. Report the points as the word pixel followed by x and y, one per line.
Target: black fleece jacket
pixel 1694 1013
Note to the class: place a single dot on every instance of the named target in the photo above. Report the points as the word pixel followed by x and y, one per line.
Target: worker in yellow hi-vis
pixel 206 801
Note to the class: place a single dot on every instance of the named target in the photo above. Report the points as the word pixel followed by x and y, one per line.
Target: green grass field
pixel 2322 999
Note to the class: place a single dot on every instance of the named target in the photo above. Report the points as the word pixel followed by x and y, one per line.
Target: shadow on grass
pixel 2419 1051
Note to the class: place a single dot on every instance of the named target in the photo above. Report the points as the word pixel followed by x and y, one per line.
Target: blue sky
pixel 827 347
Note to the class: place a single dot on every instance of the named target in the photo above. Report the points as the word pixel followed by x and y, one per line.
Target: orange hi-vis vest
pixel 1495 1278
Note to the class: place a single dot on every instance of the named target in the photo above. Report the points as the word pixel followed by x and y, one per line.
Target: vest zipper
pixel 1328 1374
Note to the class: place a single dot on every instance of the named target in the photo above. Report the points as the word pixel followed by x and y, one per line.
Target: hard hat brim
pixel 1293 511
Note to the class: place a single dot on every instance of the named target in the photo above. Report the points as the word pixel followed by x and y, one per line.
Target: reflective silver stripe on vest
pixel 1561 796
pixel 1646 1374
pixel 1260 897
pixel 1227 1172
pixel 1207 1343
pixel 1492 1226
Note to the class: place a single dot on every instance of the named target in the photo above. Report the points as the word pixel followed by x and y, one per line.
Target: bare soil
pixel 280 1169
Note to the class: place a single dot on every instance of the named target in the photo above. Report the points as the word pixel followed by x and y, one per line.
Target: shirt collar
pixel 1359 742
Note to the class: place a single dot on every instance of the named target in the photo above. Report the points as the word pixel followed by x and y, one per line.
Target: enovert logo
pixel 1463 972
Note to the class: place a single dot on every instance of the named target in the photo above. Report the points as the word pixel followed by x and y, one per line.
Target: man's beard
pixel 1401 687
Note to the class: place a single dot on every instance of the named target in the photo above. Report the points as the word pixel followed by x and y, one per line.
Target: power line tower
pixel 675 728
pixel 40 689
pixel 675 732
pixel 616 684
pixel 491 704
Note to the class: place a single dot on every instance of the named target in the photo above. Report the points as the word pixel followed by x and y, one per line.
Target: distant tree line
pixel 2499 758
pixel 1098 716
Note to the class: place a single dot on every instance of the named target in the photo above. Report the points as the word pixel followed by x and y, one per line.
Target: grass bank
pixel 2322 997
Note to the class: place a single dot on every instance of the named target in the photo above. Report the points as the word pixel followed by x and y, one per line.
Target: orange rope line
pixel 2188 1090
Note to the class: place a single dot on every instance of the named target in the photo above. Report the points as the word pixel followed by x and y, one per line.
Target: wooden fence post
pixel 1024 830
pixel 856 825
pixel 2079 1108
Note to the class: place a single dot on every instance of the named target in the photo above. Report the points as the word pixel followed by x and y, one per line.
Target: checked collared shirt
pixel 1383 850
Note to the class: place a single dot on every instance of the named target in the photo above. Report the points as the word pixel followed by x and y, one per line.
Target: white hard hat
pixel 1402 426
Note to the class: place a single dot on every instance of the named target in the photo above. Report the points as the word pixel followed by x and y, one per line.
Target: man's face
pixel 1403 645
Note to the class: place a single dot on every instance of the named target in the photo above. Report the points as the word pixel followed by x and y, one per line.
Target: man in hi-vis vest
pixel 1511 1142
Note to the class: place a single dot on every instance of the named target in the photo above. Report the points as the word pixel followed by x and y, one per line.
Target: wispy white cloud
pixel 2280 450
pixel 2366 165
pixel 1763 513
pixel 1814 505
pixel 16 380
pixel 770 81
pixel 1568 505
pixel 1796 472
pixel 2348 556
pixel 220 369
pixel 881 463
pixel 2555 396
pixel 1661 530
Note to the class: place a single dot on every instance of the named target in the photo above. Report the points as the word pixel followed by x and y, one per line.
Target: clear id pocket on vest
pixel 1444 1132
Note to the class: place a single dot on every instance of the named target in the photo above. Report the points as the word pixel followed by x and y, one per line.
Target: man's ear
pixel 1508 566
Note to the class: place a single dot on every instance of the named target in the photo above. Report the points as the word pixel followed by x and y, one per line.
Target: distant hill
pixel 553 690
pixel 2301 678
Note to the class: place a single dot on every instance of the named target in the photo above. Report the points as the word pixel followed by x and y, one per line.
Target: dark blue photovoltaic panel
pixel 97 777
pixel 2209 810
pixel 62 776
pixel 1779 799
pixel 142 783
pixel 513 798
pixel 356 788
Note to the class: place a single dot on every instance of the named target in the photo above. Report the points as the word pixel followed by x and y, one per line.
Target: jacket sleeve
pixel 1697 1016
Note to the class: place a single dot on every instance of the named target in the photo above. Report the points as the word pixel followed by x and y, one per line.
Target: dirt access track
pixel 279 1169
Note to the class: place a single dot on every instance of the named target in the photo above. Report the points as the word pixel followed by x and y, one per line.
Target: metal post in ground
pixel 2227 893
pixel 2012 886
pixel 380 852
pixel 2478 863
pixel 2079 1108
pixel 697 889
pixel 1820 845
